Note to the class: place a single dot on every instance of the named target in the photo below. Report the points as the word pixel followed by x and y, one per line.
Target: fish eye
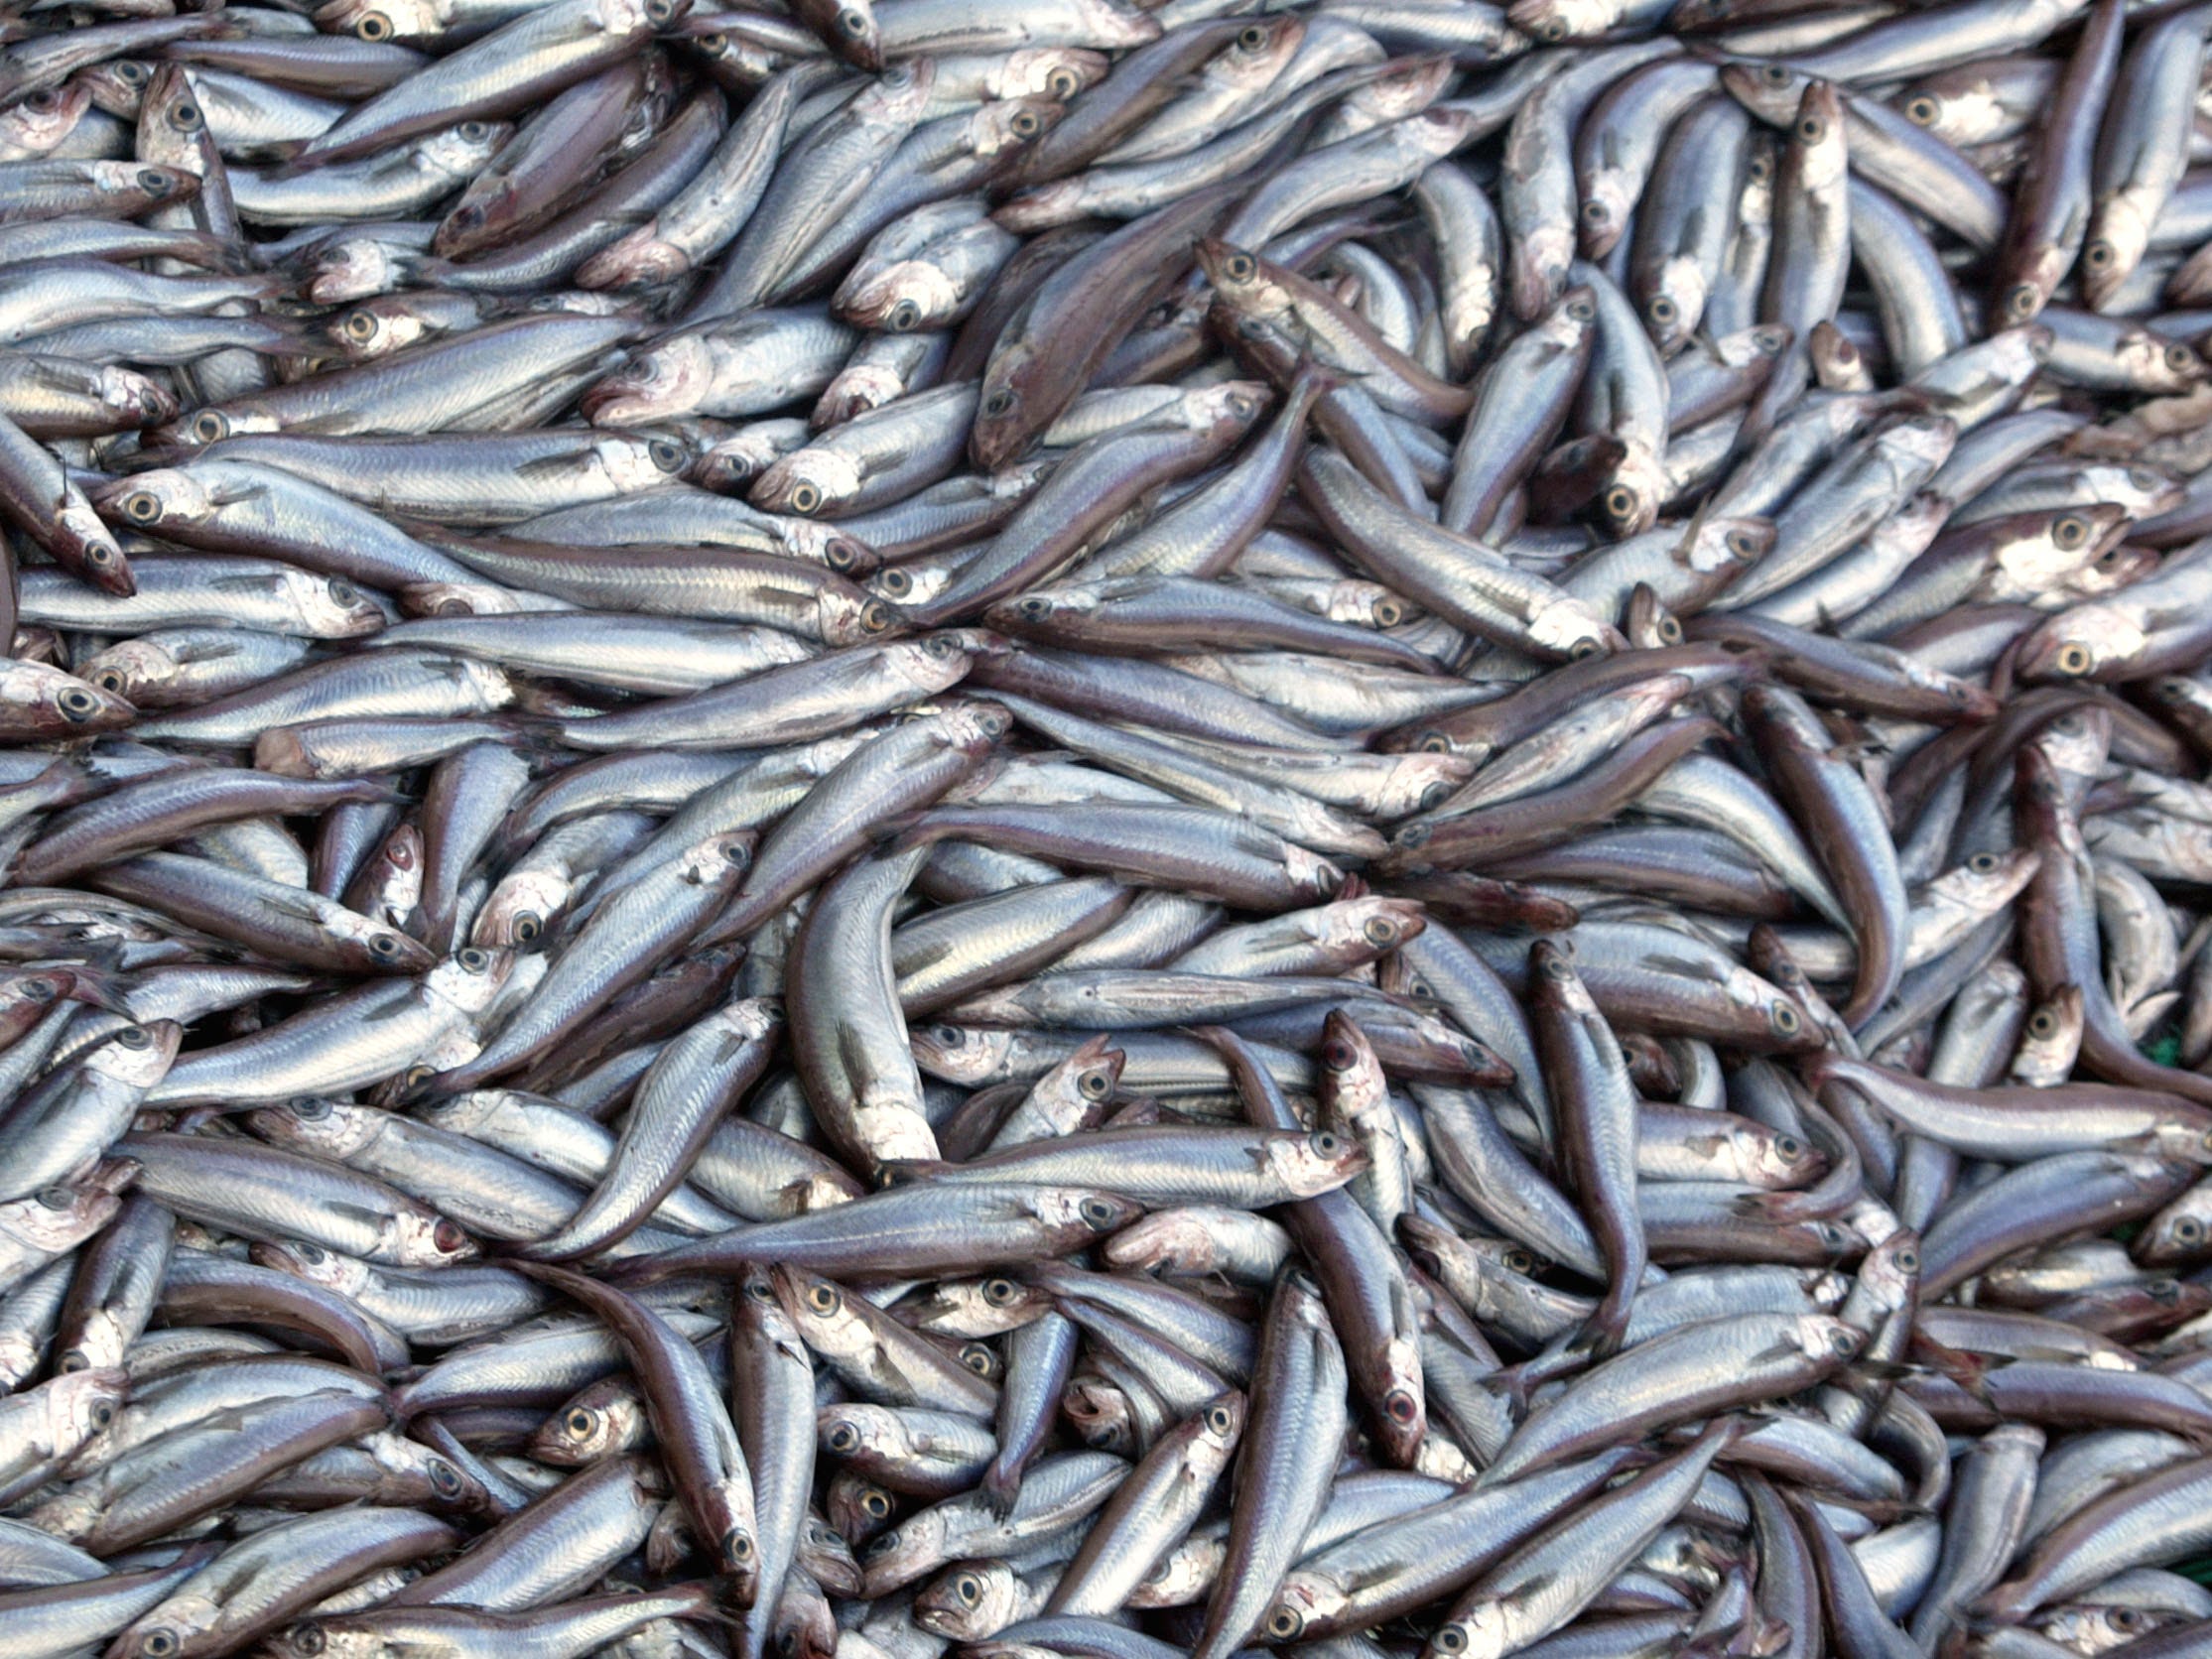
pixel 78 704
pixel 1326 1143
pixel 1556 968
pixel 310 1253
pixel 57 1198
pixel 2074 658
pixel 135 1036
pixel 210 426
pixel 1908 1261
pixel 840 554
pixel 1387 613
pixel 1596 212
pixel 580 1422
pixel 2070 533
pixel 1788 1147
pixel 132 74
pixel 669 458
pixel 1219 1418
pixel 842 1439
pixel 473 960
pixel 142 506
pixel 1982 863
pixel 308 1639
pixel 1239 267
pixel 1401 1407
pixel 1093 1086
pixel 1001 1292
pixel 1922 112
pixel 2125 1619
pixel 1811 130
pixel 1025 123
pixel 1845 1341
pixel 875 615
pixel 109 680
pixel 737 1546
pixel 474 132
pixel 1339 1055
pixel 906 313
pixel 1380 930
pixel 979 1358
pixel 2098 255
pixel 1785 1019
pixel 526 927
pixel 804 499
pixel 386 945
pixel 1620 502
pixel 969 1587
pixel 343 591
pixel 448 1237
pixel 876 1504
pixel 1583 650
pixel 1283 1625
pixel 823 1299
pixel 1774 74
pixel 2188 1230
pixel 1552 30
pixel 104 1411
pixel 2180 359
pixel 1063 84
pixel 1662 311
pixel 1252 36
pixel 374 26
pixel 185 116
pixel 1518 1260
pixel 998 403
pixel 659 11
pixel 1100 1213
pixel 1035 607
pixel 158 1643
pixel 2023 300
pixel 444 1478
pixel 1670 630
pixel 153 182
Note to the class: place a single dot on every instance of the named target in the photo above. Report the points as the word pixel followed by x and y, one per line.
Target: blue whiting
pixel 1096 831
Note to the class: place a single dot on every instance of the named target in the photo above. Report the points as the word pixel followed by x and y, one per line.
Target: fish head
pixel 57 1219
pixel 186 1616
pixel 1314 1163
pixel 1079 1214
pixel 1675 303
pixel 310 1261
pixel 1101 1414
pixel 1057 72
pixel 903 1554
pixel 139 671
pixel 2087 642
pixel 598 1424
pixel 47 117
pixel 58 705
pixel 521 908
pixel 1480 1629
pixel 670 378
pixel 383 20
pixel 969 1600
pixel 472 978
pixel 136 1056
pixel 816 479
pixel 162 501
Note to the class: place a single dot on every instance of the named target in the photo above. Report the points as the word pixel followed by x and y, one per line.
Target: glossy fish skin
pixel 941 822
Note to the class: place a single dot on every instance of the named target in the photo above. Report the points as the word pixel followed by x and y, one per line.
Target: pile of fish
pixel 1036 830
